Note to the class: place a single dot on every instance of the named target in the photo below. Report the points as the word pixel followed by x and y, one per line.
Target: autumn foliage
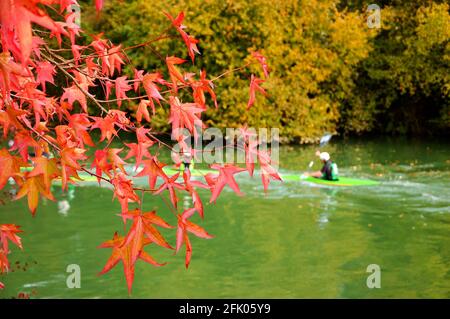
pixel 52 132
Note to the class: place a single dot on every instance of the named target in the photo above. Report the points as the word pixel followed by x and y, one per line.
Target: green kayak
pixel 194 172
pixel 343 181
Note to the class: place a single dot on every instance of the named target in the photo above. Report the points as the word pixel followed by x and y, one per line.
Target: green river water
pixel 297 241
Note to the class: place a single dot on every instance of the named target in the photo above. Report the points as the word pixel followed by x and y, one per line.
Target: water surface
pixel 297 241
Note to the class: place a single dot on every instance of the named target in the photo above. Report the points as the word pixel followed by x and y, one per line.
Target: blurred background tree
pixel 329 70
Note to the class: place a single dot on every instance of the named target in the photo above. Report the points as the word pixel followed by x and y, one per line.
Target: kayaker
pixel 329 170
pixel 188 161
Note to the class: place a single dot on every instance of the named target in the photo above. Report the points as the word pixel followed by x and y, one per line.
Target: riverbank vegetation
pixel 329 70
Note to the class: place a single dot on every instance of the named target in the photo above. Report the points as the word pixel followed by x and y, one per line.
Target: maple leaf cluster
pixel 51 134
pixel 8 233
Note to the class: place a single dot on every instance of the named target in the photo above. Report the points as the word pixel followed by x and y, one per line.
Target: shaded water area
pixel 297 241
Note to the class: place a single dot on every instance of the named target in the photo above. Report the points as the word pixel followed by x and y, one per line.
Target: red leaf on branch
pixel 9 232
pixel 108 87
pixel 138 76
pixel 32 187
pixel 98 5
pixel 139 150
pixel 107 124
pixel 106 160
pixel 170 184
pixel 151 89
pixel 123 252
pixel 115 61
pixel 22 142
pixel 190 41
pixel 262 61
pixel 45 72
pixel 142 110
pixel 69 163
pixel 122 86
pixel 153 169
pixel 200 87
pixel 185 226
pixel 225 177
pixel 9 166
pixel 190 188
pixel 184 115
pixel 123 190
pixel 267 171
pixel 10 72
pixel 255 86
pixel 251 148
pixel 81 124
pixel 142 226
pixel 175 75
pixel 72 94
pixel 48 168
pixel 66 136
pixel 10 118
pixel 17 16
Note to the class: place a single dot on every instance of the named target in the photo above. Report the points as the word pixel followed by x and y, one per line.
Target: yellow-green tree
pixel 403 86
pixel 312 47
pixel 329 70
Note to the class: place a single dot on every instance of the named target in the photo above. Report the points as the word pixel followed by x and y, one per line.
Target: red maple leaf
pixel 66 136
pixel 81 124
pixel 250 141
pixel 142 226
pixel 267 171
pixel 115 61
pixel 72 94
pixel 139 150
pixel 48 168
pixel 190 188
pixel 9 117
pixel 200 87
pixel 98 5
pixel 106 126
pixel 122 86
pixel 170 184
pixel 123 190
pixel 185 226
pixel 123 252
pixel 106 160
pixel 225 177
pixel 175 75
pixel 153 169
pixel 262 61
pixel 9 232
pixel 151 89
pixel 17 16
pixel 9 166
pixel 10 72
pixel 45 72
pixel 69 163
pixel 184 115
pixel 190 41
pixel 142 110
pixel 255 86
pixel 138 76
pixel 32 187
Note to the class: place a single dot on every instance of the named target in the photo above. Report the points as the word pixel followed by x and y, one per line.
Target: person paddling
pixel 329 170
pixel 188 161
